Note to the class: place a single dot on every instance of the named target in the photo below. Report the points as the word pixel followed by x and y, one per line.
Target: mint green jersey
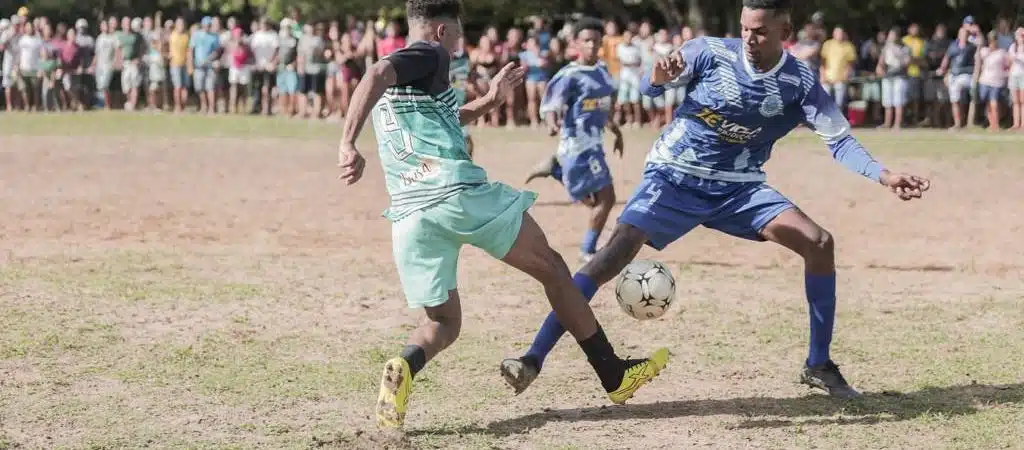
pixel 419 136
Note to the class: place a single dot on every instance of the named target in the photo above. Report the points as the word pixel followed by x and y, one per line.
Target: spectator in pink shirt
pixel 393 40
pixel 71 69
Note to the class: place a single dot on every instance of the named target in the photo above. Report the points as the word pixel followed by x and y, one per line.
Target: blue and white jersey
pixel 733 114
pixel 584 95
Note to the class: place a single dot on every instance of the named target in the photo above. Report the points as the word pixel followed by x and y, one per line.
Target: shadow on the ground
pixel 766 412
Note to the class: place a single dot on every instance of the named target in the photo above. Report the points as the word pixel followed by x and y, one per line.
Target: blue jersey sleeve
pixel 694 62
pixel 823 116
pixel 558 93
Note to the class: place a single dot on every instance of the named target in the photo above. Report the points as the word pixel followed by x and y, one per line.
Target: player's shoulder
pixel 797 73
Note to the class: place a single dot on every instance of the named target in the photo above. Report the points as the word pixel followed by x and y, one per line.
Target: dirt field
pixel 209 284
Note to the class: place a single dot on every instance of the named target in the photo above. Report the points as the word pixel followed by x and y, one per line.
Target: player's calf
pixel 601 208
pixel 532 254
pixel 440 329
pixel 625 242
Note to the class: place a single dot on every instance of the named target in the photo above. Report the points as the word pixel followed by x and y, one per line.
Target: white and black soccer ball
pixel 645 289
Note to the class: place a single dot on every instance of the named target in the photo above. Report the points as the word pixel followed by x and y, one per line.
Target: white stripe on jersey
pixel 724 60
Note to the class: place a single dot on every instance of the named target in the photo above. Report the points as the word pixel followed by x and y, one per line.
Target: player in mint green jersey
pixel 459 71
pixel 441 201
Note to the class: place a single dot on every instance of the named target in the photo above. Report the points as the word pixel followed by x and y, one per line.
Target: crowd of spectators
pixel 308 69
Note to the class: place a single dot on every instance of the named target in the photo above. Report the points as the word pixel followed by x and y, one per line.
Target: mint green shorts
pixel 426 243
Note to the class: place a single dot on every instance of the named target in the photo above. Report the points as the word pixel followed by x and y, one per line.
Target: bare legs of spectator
pixel 992 114
pixel 958 114
pixel 318 105
pixel 331 94
pixel 232 105
pixel 9 96
pixel 511 105
pixel 1017 96
pixel 534 90
pixel 347 86
pixel 155 99
pixel 180 98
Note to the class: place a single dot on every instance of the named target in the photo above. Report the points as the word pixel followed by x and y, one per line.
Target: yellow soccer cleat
pixel 638 375
pixel 395 388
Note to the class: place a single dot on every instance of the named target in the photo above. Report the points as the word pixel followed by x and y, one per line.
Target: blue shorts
pixel 991 94
pixel 204 79
pixel 179 77
pixel 287 82
pixel 667 206
pixel 587 173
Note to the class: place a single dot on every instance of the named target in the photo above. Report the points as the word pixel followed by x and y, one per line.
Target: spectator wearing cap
pixel 205 47
pixel 991 72
pixel 178 60
pixel 892 67
pixel 287 76
pixel 86 53
pixel 959 62
pixel 838 61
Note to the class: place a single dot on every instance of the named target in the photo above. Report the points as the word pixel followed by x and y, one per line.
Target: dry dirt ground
pixel 207 283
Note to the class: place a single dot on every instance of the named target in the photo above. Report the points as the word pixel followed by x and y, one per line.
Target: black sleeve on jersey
pixel 415 62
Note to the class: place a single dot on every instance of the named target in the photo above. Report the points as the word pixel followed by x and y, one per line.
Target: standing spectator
pixel 510 53
pixel 30 50
pixel 222 63
pixel 917 69
pixel 838 61
pixel 991 72
pixel 240 74
pixel 959 62
pixel 1003 33
pixel 557 55
pixel 631 63
pixel 9 45
pixel 179 64
pixel 49 75
pixel 664 104
pixel 1017 78
pixel 156 72
pixel 129 58
pixel 609 44
pixel 311 64
pixel 535 58
pixel 71 70
pixel 539 29
pixel 332 54
pixel 86 52
pixel 352 60
pixel 871 90
pixel 892 67
pixel 104 63
pixel 808 47
pixel 392 41
pixel 287 76
pixel 264 47
pixel 935 92
pixel 205 47
pixel 485 60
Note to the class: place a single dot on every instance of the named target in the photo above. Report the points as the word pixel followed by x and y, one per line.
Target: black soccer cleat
pixel 828 378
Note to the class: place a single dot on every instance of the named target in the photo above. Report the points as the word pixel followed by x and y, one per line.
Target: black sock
pixel 601 356
pixel 414 355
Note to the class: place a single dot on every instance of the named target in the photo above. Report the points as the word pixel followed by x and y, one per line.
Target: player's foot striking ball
pixel 742 95
pixel 583 90
pixel 440 200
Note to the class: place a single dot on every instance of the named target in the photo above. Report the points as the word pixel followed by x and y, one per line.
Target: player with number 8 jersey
pixel 582 91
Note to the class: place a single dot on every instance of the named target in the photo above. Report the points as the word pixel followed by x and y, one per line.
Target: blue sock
pixel 590 241
pixel 821 300
pixel 551 330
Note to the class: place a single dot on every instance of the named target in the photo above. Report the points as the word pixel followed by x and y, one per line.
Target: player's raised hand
pixel 905 186
pixel 351 162
pixel 507 80
pixel 667 69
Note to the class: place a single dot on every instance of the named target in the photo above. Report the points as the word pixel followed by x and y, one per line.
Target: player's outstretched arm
pixel 823 116
pixel 620 144
pixel 505 82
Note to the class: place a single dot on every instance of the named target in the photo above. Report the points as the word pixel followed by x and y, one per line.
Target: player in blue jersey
pixel 742 95
pixel 583 91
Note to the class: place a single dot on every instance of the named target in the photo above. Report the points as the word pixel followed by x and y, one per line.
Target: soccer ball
pixel 645 289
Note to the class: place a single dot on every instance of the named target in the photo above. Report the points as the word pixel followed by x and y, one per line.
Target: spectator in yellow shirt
pixel 918 68
pixel 179 64
pixel 838 58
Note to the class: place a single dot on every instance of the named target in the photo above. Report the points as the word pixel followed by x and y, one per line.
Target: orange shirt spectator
pixel 608 52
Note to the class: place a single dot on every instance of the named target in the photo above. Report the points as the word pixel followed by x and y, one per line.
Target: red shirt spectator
pixel 392 42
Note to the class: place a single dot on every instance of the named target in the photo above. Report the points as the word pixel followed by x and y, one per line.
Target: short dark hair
pixel 776 5
pixel 433 9
pixel 589 23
